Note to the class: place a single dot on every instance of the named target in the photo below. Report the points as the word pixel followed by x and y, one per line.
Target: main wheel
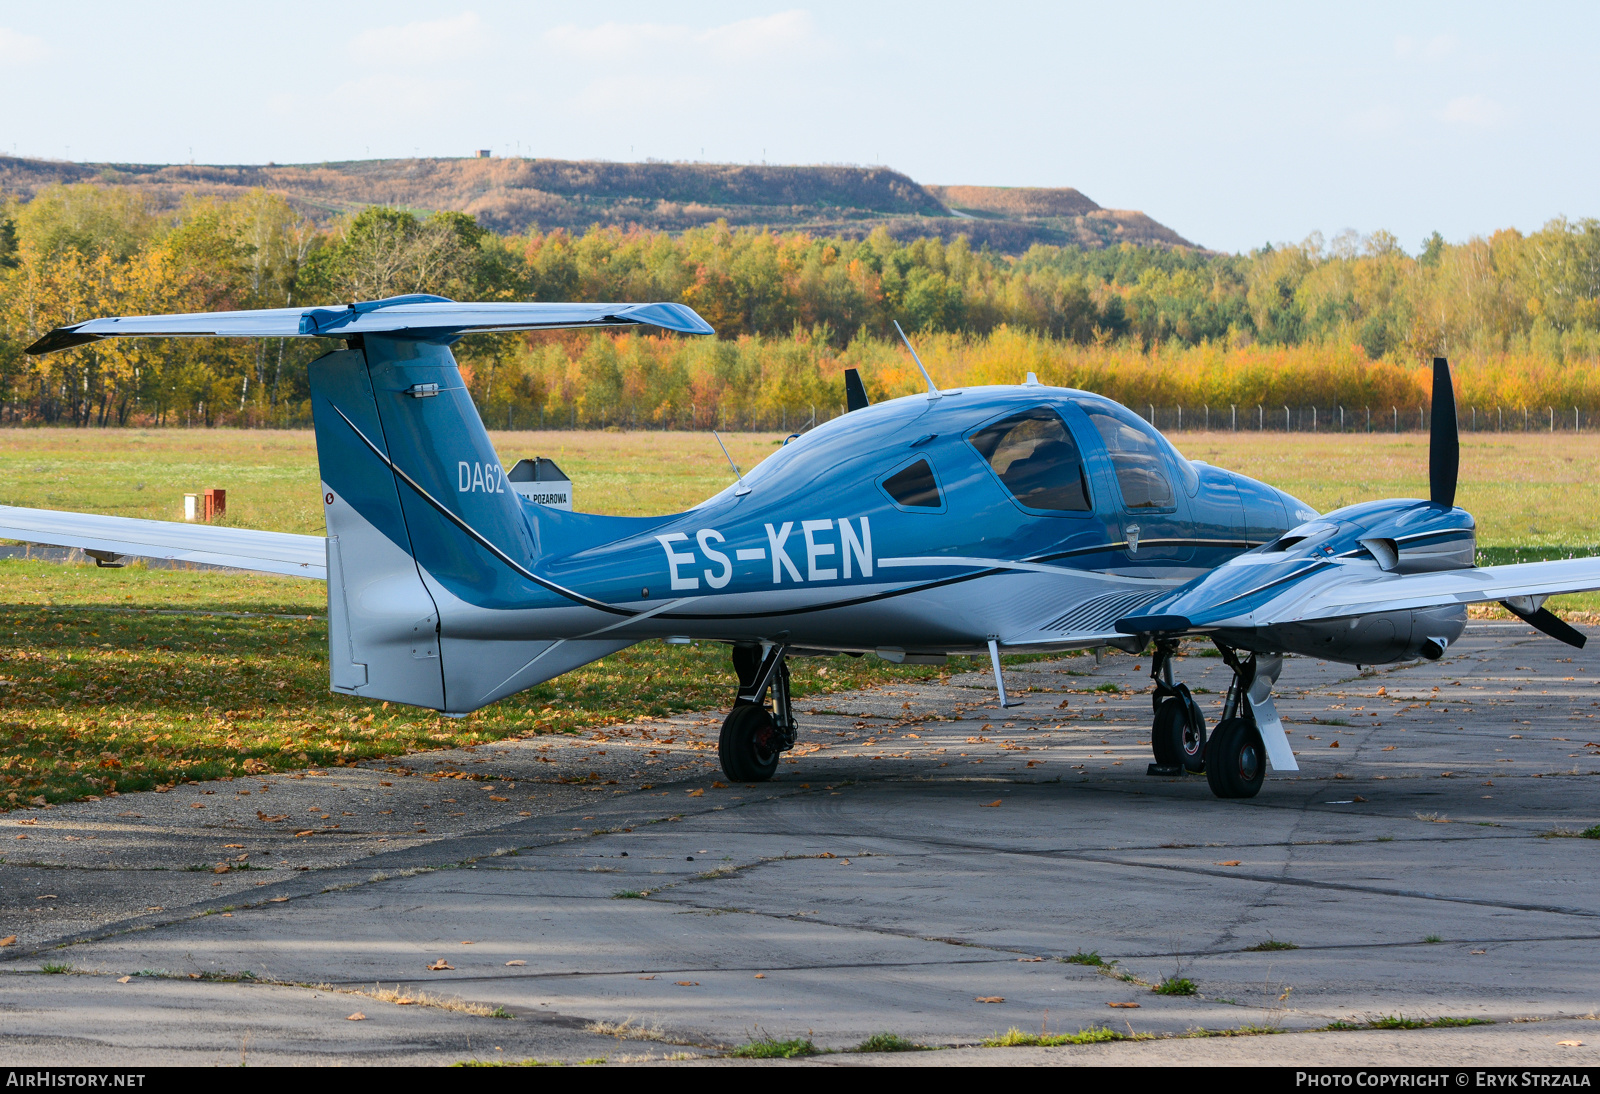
pixel 1178 735
pixel 1236 761
pixel 749 746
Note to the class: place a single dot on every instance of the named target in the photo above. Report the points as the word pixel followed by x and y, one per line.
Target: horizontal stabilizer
pixel 281 553
pixel 423 317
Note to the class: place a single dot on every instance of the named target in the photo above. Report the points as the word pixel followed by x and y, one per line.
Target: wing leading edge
pixel 1352 589
pixel 280 553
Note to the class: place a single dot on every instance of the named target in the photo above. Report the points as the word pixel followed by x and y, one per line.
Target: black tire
pixel 748 747
pixel 1178 734
pixel 1236 761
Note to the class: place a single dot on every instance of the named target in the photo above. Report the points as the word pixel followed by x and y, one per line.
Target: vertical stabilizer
pixel 382 624
pixel 430 550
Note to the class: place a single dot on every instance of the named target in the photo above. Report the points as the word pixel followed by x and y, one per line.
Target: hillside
pixel 512 195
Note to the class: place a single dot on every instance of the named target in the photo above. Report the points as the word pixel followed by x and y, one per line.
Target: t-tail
pixel 429 548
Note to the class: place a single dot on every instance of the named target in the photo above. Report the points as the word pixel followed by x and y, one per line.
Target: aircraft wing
pixel 1082 623
pixel 241 548
pixel 1350 588
pixel 417 316
pixel 1390 592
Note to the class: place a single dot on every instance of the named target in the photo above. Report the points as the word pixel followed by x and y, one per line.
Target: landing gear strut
pixel 753 736
pixel 1236 760
pixel 1178 734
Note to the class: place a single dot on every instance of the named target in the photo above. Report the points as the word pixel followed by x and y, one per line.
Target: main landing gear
pixel 1178 734
pixel 752 735
pixel 1234 759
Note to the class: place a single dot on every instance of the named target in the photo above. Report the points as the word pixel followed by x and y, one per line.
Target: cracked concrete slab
pixel 921 852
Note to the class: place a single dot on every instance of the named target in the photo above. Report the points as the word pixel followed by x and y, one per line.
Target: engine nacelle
pixel 1371 639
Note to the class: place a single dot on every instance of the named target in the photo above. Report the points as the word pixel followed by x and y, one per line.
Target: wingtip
pixel 1154 624
pixel 679 318
pixel 61 338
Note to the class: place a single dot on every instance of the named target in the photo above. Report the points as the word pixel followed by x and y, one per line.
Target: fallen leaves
pixel 270 818
pixel 761 976
pixel 440 965
pixel 306 832
pixel 1230 862
pixel 697 793
pixel 8 940
pixel 989 999
pixel 510 964
pixel 1570 1044
pixel 496 798
pixel 356 1017
pixel 1124 1006
pixel 276 899
pixel 124 979
pixel 1388 748
pixel 687 983
pixel 991 805
pixel 1333 744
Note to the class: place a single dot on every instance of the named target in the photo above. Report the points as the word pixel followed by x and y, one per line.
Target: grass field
pixel 1527 490
pixel 131 678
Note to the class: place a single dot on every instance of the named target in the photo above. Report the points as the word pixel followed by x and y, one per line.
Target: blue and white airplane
pixel 1025 518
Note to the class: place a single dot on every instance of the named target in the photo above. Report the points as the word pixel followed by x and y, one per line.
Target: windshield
pixel 1135 454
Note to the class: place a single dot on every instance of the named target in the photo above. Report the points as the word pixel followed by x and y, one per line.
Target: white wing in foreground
pixel 241 548
pixel 1374 591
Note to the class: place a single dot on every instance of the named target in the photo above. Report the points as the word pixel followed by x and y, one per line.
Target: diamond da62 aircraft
pixel 1023 518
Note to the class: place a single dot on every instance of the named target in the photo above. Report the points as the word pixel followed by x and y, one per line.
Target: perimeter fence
pixel 1259 418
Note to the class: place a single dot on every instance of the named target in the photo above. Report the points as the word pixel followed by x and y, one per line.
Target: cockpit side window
pixel 1036 458
pixel 1135 455
pixel 914 487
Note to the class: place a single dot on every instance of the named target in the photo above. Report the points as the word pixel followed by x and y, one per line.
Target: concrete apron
pixel 921 854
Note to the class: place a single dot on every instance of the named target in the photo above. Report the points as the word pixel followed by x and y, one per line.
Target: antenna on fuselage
pixel 933 390
pixel 742 489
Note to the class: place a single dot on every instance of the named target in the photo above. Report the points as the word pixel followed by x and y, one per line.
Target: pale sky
pixel 1234 124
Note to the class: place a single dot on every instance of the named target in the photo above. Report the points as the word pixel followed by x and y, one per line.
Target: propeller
pixel 1444 443
pixel 855 393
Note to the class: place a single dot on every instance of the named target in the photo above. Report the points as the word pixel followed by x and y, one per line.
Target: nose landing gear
pixel 1178 733
pixel 753 736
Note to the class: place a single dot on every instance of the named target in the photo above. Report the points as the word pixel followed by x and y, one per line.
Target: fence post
pixel 1286 419
pixel 1233 410
pixel 1396 418
pixel 1180 417
pixel 1152 414
pixel 1313 419
pixel 1341 419
pixel 1552 419
pixel 1208 416
pixel 1261 418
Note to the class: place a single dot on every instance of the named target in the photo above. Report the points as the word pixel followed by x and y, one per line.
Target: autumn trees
pixel 791 311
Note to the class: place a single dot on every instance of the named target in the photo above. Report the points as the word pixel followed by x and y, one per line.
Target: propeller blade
pixel 1546 621
pixel 1444 443
pixel 855 393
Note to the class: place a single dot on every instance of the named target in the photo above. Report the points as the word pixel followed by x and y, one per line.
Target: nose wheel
pixel 752 735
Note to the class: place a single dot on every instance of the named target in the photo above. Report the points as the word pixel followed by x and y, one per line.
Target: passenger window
pixel 1135 454
pixel 914 487
pixel 1037 459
